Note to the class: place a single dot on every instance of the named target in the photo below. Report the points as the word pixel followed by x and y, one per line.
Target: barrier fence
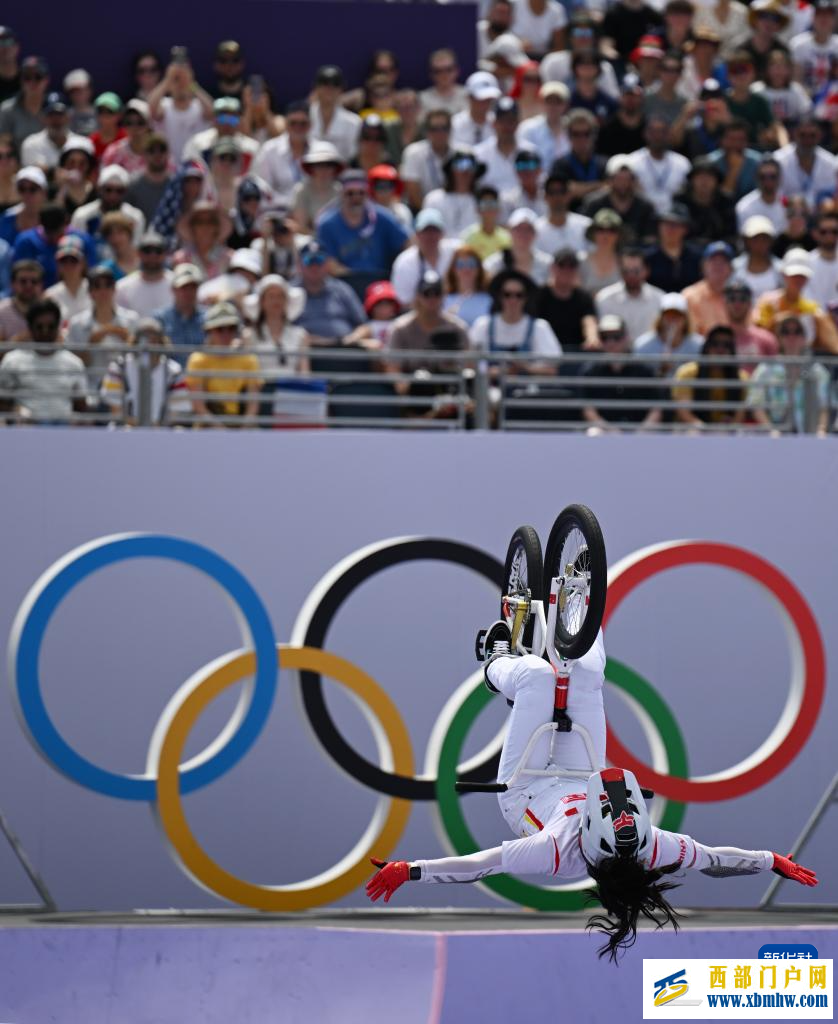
pixel 349 387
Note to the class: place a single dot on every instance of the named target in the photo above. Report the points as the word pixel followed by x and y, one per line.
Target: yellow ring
pixel 339 880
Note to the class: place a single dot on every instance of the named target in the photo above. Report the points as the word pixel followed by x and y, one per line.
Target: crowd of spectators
pixel 630 201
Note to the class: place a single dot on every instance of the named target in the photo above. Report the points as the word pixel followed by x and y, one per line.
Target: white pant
pixel 530 682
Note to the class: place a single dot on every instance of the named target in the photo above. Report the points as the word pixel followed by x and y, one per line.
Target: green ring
pixel 534 896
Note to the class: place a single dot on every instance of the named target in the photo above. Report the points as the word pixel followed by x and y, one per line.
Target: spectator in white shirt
pixel 227 127
pixel 808 169
pixel 445 93
pixel 71 292
pixel 430 251
pixel 528 193
pixel 474 125
pixel 522 254
pixel 509 328
pixel 823 284
pixel 279 163
pixel 547 131
pixel 422 161
pixel 112 188
pixel 456 202
pixel 148 289
pixel 499 153
pixel 813 52
pixel 44 148
pixel 180 106
pixel 558 65
pixel 330 122
pixel 560 228
pixel 756 266
pixel 540 25
pixel 659 171
pixel 766 200
pixel 633 299
pixel 51 380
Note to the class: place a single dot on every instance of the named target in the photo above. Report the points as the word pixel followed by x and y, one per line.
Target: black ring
pixel 420 549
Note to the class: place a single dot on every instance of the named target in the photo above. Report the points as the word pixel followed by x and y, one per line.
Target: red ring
pixel 708 553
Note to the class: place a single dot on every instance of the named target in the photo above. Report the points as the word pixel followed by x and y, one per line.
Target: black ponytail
pixel 626 889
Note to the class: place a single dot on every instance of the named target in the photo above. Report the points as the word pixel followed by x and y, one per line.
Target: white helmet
pixel 616 821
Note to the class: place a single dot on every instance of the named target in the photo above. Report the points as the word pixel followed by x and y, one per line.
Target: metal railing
pixel 348 387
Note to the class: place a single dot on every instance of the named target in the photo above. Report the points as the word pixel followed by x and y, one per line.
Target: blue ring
pixel 30 634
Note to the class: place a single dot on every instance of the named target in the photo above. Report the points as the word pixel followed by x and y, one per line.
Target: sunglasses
pixel 567 265
pixel 438 128
pixel 228 60
pixel 738 297
pixel 528 165
pixel 354 193
pixel 611 337
pixel 313 261
pixel 432 293
pixel 507 294
pixel 768 176
pixel 102 282
pixel 44 326
pixel 229 120
pixel 463 165
pixel 384 186
pixel 32 76
pixel 29 190
pixel 113 189
pixel 466 263
pixel 151 250
pixel 134 122
pixel 68 257
pixel 228 158
pixel 106 112
pixel 488 204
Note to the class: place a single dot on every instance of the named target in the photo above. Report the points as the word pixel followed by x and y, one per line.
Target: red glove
pixel 786 868
pixel 385 881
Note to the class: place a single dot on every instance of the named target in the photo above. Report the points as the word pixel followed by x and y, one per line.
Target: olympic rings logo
pixel 166 780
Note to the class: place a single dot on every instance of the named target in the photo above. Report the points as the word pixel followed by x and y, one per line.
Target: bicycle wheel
pixel 576 550
pixel 522 571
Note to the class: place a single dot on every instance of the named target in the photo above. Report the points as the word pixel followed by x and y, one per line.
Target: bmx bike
pixel 551 607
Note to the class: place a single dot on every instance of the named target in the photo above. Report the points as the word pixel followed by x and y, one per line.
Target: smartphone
pixel 257 87
pixel 180 55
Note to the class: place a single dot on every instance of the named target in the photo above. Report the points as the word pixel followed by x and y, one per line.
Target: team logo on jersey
pixel 624 821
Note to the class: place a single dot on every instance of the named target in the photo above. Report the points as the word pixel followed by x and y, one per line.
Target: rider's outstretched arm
pixel 672 849
pixel 469 868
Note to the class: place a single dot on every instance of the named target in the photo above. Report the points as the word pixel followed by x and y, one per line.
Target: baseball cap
pixel 186 273
pixel 758 225
pixel 78 78
pixel 102 270
pixel 523 215
pixel 225 147
pixel 34 175
pixel 704 34
pixel 554 89
pixel 676 214
pixel 506 107
pixel 738 286
pixel 631 83
pixel 674 301
pixel 36 64
pixel 527 160
pixel 379 291
pixel 430 281
pixel 796 263
pixel 227 105
pixel 508 48
pixel 313 254
pixel 55 103
pixel 249 260
pixel 429 218
pixel 329 74
pixel 222 314
pixel 113 174
pixel 717 249
pixel 611 324
pixel 139 107
pixel 7 34
pixel 322 153
pixel 78 144
pixel 710 89
pixel 618 162
pixel 109 101
pixel 353 176
pixel 152 240
pixel 228 48
pixel 482 85
pixel 649 46
pixel 70 245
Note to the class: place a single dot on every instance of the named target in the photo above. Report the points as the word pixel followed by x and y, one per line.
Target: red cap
pixel 379 291
pixel 385 172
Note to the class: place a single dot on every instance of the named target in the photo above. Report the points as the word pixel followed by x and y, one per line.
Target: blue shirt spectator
pixel 732 146
pixel 362 236
pixel 332 308
pixel 41 243
pixel 183 321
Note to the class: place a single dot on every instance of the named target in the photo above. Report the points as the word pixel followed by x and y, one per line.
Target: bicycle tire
pixel 524 549
pixel 574 644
